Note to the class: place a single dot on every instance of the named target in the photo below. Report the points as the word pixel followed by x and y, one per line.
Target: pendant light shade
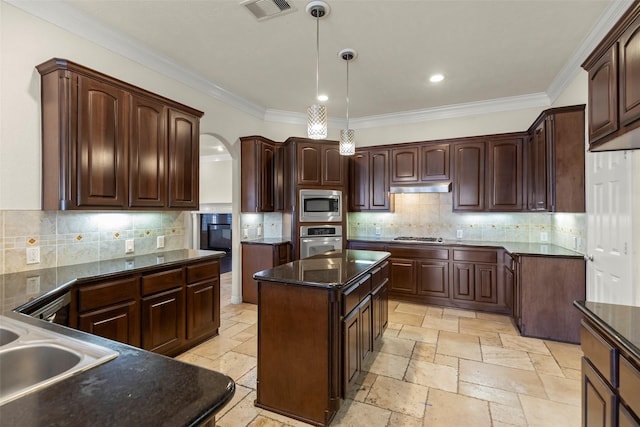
pixel 347 136
pixel 317 117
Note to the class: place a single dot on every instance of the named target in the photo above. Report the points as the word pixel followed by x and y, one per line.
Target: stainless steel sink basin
pixel 32 358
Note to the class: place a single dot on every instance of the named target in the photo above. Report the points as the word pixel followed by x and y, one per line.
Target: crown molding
pixel 71 19
pixel 608 19
pixel 76 22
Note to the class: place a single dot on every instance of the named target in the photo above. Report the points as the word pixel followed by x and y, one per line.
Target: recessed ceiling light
pixel 323 98
pixel 436 78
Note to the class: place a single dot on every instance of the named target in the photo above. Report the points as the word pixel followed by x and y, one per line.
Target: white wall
pixel 215 181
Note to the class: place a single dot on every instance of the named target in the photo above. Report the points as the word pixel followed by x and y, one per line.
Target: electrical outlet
pixel 128 246
pixel 160 242
pixel 459 234
pixel 544 236
pixel 33 255
pixel 33 285
pixel 245 233
pixel 160 259
pixel 129 264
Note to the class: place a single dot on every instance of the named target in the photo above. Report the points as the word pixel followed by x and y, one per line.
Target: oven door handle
pixel 320 239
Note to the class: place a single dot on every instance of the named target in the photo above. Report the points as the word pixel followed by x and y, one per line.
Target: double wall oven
pixel 323 208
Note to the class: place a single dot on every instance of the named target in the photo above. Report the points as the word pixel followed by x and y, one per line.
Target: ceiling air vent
pixel 266 9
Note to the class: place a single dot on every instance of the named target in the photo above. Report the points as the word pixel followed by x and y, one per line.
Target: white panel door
pixel 609 235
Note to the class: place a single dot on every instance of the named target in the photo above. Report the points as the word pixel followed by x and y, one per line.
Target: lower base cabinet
pixel 257 256
pixel 165 311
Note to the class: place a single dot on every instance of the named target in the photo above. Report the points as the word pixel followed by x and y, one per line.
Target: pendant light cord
pixel 347 93
pixel 317 55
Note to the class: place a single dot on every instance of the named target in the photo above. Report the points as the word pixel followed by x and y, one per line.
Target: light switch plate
pixel 459 234
pixel 33 255
pixel 160 242
pixel 128 246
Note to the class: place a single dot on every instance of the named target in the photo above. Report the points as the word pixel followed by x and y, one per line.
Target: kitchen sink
pixel 32 358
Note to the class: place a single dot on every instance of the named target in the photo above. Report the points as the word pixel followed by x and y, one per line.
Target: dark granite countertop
pixel 334 269
pixel 266 241
pixel 622 322
pixel 137 388
pixel 515 248
pixel 31 286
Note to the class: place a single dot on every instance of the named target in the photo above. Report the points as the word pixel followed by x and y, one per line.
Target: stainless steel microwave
pixel 320 206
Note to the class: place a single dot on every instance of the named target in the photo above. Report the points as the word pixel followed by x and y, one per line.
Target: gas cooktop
pixel 421 239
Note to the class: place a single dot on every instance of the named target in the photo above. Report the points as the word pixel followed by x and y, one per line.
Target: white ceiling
pixel 487 49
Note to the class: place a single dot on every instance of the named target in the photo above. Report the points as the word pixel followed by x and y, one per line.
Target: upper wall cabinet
pixel 262 168
pixel 369 181
pixel 319 163
pixel 614 86
pixel 110 145
pixel 419 162
pixel 469 176
pixel 555 161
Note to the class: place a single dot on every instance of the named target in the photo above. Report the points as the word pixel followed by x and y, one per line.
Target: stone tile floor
pixel 436 367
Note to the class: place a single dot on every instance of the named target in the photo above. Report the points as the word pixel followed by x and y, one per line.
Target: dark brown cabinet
pixel 434 162
pixel 545 288
pixel 258 256
pixel 147 153
pixel 556 161
pixel 320 164
pixel 610 379
pixel 402 276
pixel 202 300
pixel 404 165
pixel 369 181
pixel 162 311
pixel 433 278
pixel 357 341
pixel 110 145
pixel 379 302
pixel 475 278
pixel 262 175
pixel 469 176
pixel 110 309
pixel 166 310
pixel 614 82
pixel 184 160
pixel 505 174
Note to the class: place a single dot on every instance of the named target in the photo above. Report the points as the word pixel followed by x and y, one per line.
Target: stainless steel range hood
pixel 426 187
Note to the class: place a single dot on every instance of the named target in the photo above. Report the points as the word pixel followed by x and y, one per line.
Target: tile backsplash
pixel 67 238
pixel 430 214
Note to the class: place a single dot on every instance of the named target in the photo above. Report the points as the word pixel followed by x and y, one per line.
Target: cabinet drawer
pixel 418 252
pixel 489 257
pixel 630 385
pixel 352 296
pixel 157 282
pixel 198 272
pixel 600 353
pixel 379 275
pixel 107 293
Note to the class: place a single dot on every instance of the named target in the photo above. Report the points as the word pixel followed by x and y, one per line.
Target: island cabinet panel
pixel 107 144
pixel 469 176
pixel 610 377
pixel 110 309
pixel 299 351
pixel 613 83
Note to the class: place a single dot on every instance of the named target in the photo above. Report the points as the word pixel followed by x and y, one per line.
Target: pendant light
pixel 347 136
pixel 317 118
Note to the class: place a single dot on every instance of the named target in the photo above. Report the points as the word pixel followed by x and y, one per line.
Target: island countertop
pixel 334 269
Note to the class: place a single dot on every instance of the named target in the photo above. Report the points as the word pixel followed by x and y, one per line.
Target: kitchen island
pixel 138 387
pixel 319 320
